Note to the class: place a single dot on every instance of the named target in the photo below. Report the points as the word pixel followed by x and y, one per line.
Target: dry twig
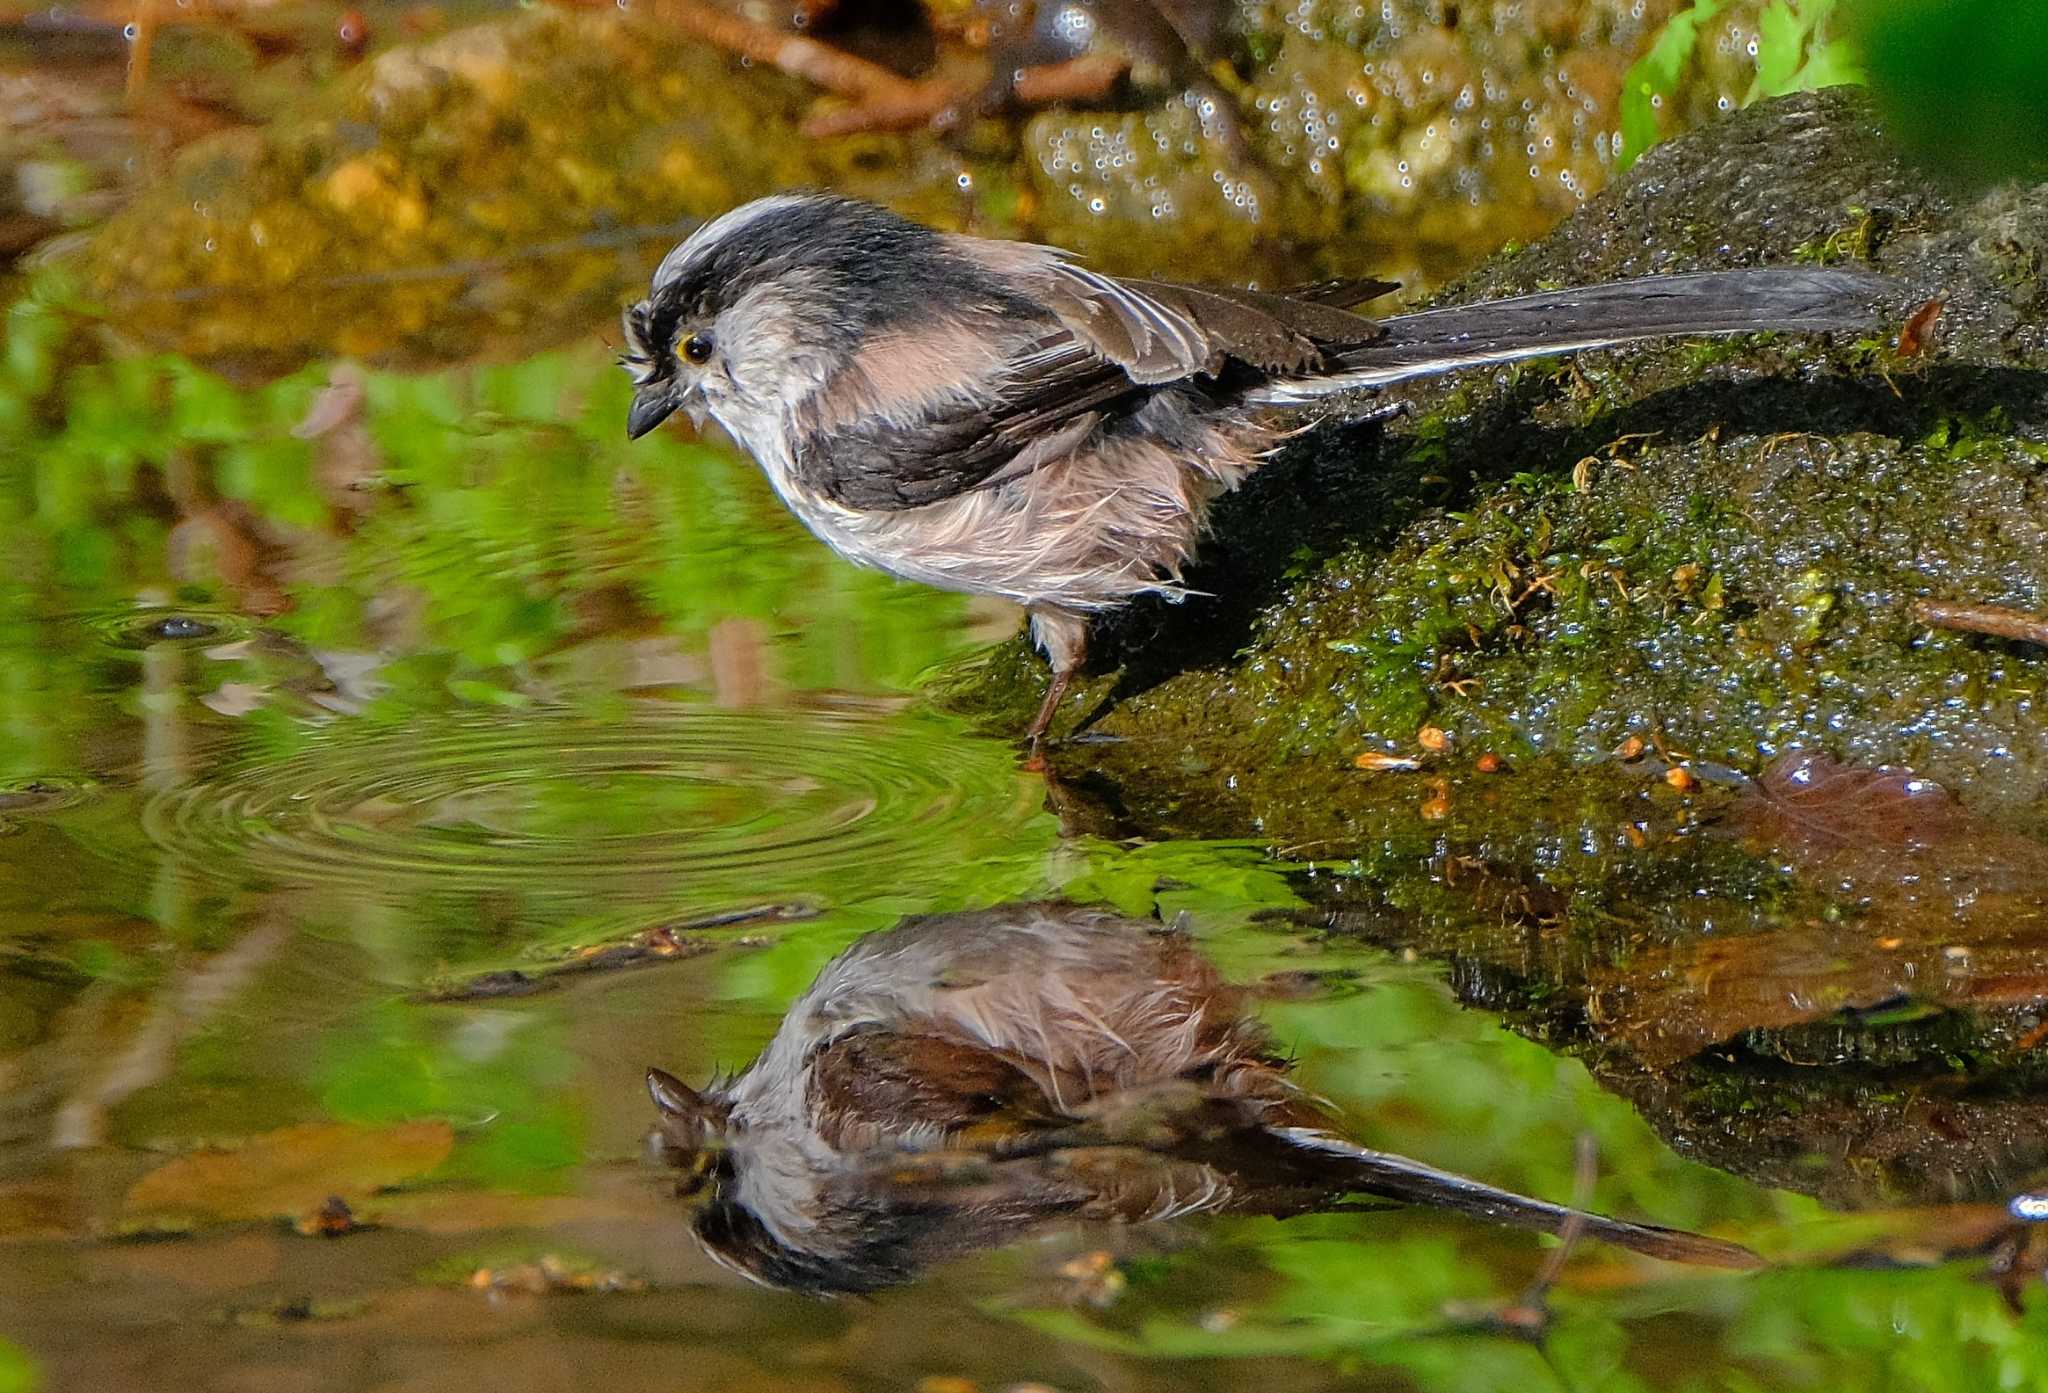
pixel 2000 621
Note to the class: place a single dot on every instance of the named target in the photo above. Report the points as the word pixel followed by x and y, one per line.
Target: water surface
pixel 381 799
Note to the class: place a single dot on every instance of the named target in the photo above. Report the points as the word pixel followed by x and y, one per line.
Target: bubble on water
pixel 156 625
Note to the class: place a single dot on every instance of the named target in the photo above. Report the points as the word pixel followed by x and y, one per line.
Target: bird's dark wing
pixel 1106 343
pixel 884 1081
pixel 1343 291
pixel 1043 405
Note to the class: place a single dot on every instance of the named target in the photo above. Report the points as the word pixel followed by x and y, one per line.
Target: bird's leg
pixel 1064 637
pixel 1061 680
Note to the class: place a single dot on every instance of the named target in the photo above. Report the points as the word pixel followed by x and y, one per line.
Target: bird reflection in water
pixel 959 1080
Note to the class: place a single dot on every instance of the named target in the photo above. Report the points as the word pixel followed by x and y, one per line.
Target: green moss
pixel 1710 549
pixel 1721 542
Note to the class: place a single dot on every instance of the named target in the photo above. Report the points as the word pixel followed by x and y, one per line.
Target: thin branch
pixel 2000 621
pixel 815 62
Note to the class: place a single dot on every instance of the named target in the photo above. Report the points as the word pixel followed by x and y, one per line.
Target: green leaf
pixel 1833 64
pixel 1780 44
pixel 1655 76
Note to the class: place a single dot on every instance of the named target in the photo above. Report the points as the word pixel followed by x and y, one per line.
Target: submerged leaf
pixel 1814 799
pixel 290 1171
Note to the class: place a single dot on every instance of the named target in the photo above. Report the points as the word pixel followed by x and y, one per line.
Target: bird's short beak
pixel 652 405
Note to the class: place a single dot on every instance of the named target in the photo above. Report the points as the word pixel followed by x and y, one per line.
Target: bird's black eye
pixel 697 348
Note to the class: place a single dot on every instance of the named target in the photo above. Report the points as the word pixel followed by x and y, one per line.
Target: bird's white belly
pixel 1083 534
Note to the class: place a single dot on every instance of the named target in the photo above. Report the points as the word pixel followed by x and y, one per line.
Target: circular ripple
pixel 48 794
pixel 153 626
pixel 662 801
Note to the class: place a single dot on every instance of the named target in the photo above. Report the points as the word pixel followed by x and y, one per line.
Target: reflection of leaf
pixel 1815 799
pixel 401 1065
pixel 1212 875
pixel 290 1170
pixel 536 1274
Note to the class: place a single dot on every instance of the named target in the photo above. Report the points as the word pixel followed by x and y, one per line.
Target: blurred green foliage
pixel 1655 77
pixel 1963 84
pixel 1797 49
pixel 18 1373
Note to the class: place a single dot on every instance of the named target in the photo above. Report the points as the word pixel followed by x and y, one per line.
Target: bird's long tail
pixel 1599 316
pixel 1398 1178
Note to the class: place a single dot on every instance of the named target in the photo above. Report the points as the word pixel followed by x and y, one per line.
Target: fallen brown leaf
pixel 289 1172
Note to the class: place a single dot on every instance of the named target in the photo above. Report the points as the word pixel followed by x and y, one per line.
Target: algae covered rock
pixel 1532 678
pixel 492 190
pixel 1721 542
pixel 1403 137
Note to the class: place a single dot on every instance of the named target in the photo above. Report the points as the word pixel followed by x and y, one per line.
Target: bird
pixel 961 1080
pixel 997 418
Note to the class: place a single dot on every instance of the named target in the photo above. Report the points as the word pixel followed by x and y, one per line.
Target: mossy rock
pixel 1718 542
pixel 1555 585
pixel 488 192
pixel 507 185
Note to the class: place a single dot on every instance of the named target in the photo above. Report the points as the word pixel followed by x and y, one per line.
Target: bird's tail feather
pixel 1398 1178
pixel 1600 316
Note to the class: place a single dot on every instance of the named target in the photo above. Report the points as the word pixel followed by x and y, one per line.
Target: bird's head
pixel 760 308
pixel 690 1129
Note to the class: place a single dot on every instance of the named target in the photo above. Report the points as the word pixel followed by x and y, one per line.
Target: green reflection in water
pixel 300 727
pixel 1402 1294
pixel 354 683
pixel 18 1372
